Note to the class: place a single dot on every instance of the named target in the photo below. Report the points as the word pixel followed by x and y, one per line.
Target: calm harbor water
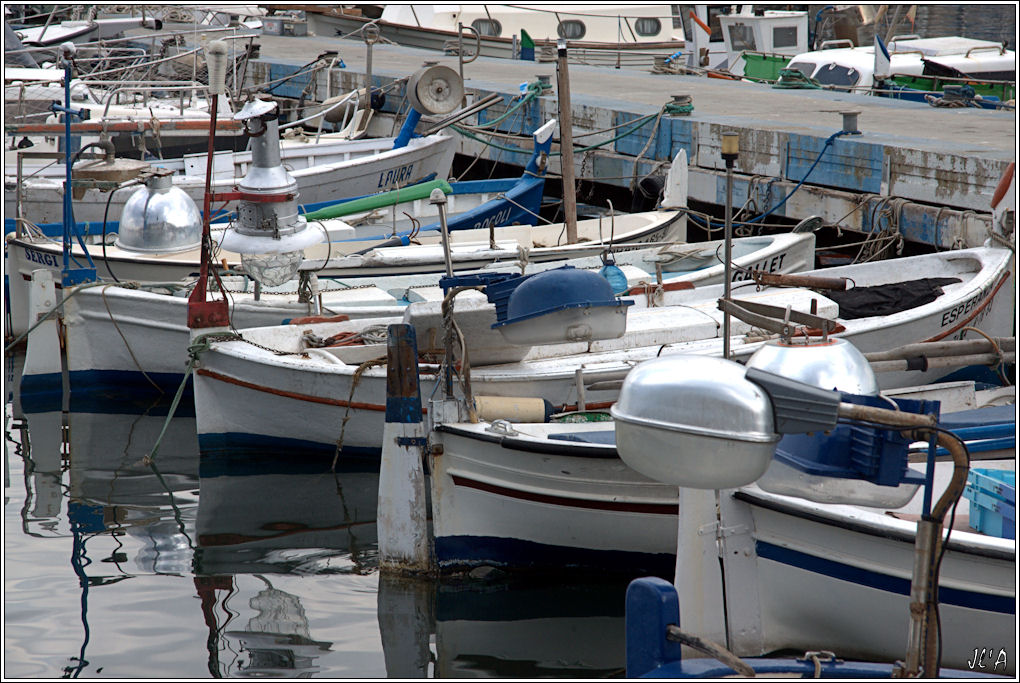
pixel 230 565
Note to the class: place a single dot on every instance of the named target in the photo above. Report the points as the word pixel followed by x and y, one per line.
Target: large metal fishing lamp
pixel 268 232
pixel 710 423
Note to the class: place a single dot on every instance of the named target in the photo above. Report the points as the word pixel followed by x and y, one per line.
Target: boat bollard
pixel 401 519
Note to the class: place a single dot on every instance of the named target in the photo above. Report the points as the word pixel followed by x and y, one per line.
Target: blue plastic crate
pixel 992 496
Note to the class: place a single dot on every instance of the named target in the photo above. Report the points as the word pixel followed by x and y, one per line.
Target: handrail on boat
pixel 834 44
pixel 1001 49
pixel 150 88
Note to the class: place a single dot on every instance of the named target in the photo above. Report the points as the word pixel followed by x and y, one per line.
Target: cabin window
pixel 784 36
pixel 742 37
pixel 647 26
pixel 571 29
pixel 834 74
pixel 806 68
pixel 487 27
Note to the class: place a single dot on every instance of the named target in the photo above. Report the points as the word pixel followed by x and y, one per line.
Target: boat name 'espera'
pixel 42 257
pixel 951 316
pixel 771 265
pixel 395 175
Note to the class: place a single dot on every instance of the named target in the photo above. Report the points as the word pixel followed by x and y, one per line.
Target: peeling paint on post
pixel 404 544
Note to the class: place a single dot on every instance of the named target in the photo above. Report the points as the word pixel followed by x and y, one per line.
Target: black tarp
pixel 864 302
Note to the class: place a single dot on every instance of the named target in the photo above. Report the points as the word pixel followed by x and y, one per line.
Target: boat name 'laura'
pixel 395 176
pixel 769 265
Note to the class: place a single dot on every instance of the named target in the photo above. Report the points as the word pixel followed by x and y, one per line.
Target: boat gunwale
pixel 973 544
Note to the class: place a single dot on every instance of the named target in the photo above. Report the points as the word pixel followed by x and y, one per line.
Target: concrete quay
pixel 925 172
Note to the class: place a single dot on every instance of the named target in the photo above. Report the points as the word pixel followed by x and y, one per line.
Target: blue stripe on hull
pixel 233 461
pixel 453 552
pixel 879 581
pixel 38 393
pixel 224 444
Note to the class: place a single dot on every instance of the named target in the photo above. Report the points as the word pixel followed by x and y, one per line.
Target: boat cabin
pixel 854 67
pixel 768 32
pixel 623 23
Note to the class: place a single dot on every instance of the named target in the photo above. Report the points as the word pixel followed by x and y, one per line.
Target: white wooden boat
pixel 470 250
pixel 326 168
pixel 304 394
pixel 532 495
pixel 802 560
pixel 590 31
pixel 81 31
pixel 555 496
pixel 853 68
pixel 134 336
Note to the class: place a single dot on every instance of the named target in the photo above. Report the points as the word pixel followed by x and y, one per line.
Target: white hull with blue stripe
pixel 837 577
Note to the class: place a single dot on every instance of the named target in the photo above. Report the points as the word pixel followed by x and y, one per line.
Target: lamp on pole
pixel 730 151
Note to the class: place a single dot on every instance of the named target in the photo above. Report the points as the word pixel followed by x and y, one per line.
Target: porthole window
pixel 571 29
pixel 487 27
pixel 647 26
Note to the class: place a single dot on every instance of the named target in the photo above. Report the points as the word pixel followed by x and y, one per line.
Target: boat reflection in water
pixel 111 486
pixel 128 515
pixel 501 626
pixel 261 516
pixel 282 555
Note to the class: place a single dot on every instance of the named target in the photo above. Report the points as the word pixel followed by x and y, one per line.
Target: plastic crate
pixel 992 496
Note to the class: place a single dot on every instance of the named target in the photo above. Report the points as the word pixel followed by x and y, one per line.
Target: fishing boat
pixel 326 168
pixel 81 31
pixel 909 63
pixel 149 247
pixel 527 488
pixel 829 544
pixel 275 367
pixel 731 42
pixel 135 334
pixel 598 33
pixel 370 240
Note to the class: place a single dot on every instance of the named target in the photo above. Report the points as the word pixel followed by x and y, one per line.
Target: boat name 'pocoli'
pixel 496 219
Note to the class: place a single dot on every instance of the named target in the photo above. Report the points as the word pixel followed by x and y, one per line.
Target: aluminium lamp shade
pixel 694 421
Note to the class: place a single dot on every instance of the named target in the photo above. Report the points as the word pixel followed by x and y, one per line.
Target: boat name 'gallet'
pixel 772 265
pixel 394 176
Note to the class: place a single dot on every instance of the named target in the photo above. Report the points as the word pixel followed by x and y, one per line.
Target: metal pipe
pixel 922 640
pixel 728 258
pixel 729 149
